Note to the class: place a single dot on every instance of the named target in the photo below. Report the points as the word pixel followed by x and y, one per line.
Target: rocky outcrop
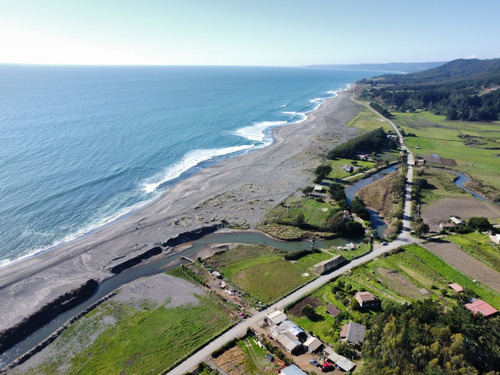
pixel 14 334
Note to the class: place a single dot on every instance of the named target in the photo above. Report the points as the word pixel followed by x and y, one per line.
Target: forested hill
pixel 461 90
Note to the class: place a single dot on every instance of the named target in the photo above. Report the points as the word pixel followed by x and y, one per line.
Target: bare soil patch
pixel 400 283
pixel 232 361
pixel 430 159
pixel 311 301
pixel 463 207
pixel 465 263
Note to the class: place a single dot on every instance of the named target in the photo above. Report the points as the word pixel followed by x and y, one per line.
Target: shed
pixel 276 317
pixel 318 188
pixel 332 310
pixel 329 264
pixel 287 340
pixel 348 168
pixel 456 220
pixel 312 344
pixel 341 361
pixel 292 370
pixel 479 306
pixel 456 287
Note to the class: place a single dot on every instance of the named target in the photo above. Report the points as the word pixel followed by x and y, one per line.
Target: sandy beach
pixel 238 190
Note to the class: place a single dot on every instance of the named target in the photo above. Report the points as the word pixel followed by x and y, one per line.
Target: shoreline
pixel 115 219
pixel 238 190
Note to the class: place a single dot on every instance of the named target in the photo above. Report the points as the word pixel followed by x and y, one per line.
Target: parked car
pixel 384 243
pixel 270 357
pixel 314 362
pixel 327 367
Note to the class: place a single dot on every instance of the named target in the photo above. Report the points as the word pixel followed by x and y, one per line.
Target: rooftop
pixel 456 287
pixel 292 370
pixel 365 296
pixel 479 306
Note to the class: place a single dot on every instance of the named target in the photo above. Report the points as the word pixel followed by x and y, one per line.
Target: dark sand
pixel 238 190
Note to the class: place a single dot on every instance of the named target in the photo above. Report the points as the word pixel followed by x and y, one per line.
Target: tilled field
pixel 466 263
pixel 465 208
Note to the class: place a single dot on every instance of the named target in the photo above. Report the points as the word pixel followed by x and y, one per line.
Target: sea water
pixel 83 146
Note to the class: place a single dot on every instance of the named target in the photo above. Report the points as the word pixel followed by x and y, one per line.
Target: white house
pixel 276 317
pixel 312 344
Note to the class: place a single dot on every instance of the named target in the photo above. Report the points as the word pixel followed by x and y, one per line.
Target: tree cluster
pixel 454 90
pixel 423 339
pixel 373 141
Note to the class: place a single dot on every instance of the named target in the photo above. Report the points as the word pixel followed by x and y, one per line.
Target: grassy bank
pixel 144 338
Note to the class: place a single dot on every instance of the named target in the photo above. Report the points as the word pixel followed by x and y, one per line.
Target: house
pixel 456 287
pixel 366 299
pixel 276 317
pixel 341 362
pixel 292 370
pixel 318 188
pixel 332 310
pixel 353 333
pixel 348 168
pixel 329 264
pixel 288 326
pixel 289 342
pixel 455 220
pixel 312 344
pixel 479 306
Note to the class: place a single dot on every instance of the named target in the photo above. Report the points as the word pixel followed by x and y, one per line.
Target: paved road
pixel 240 329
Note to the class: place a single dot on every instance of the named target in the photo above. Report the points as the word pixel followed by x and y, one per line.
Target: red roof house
pixel 479 306
pixel 366 299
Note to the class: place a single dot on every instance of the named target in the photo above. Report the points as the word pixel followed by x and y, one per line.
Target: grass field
pixel 126 340
pixel 480 246
pixel 367 120
pixel 263 273
pixel 439 184
pixel 435 135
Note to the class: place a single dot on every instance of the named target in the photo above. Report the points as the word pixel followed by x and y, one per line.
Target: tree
pixel 308 312
pixel 307 190
pixel 299 220
pixel 479 223
pixel 336 223
pixel 421 229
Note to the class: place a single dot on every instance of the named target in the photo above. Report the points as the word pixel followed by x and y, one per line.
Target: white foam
pixel 255 132
pixel 316 100
pixel 189 160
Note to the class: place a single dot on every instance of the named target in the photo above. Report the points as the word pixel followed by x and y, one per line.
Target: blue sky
pixel 236 32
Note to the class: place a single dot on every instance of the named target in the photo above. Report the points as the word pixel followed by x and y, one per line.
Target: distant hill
pixel 461 90
pixel 385 67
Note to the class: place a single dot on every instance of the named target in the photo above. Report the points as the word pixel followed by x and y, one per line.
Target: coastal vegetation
pixel 372 141
pixel 480 246
pixel 121 337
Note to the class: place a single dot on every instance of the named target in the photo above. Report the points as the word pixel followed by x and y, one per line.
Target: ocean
pixel 81 147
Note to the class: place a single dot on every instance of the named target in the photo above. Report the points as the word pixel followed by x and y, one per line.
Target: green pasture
pixel 435 135
pixel 338 167
pixel 439 185
pixel 368 120
pixel 480 246
pixel 262 272
pixel 145 341
pixel 316 212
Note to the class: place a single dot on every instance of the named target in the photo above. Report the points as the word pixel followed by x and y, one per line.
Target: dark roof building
pixel 332 310
pixel 353 333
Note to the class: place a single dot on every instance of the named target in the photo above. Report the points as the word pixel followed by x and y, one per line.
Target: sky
pixel 238 32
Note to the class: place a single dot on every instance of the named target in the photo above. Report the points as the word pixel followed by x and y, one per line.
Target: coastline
pixel 238 190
